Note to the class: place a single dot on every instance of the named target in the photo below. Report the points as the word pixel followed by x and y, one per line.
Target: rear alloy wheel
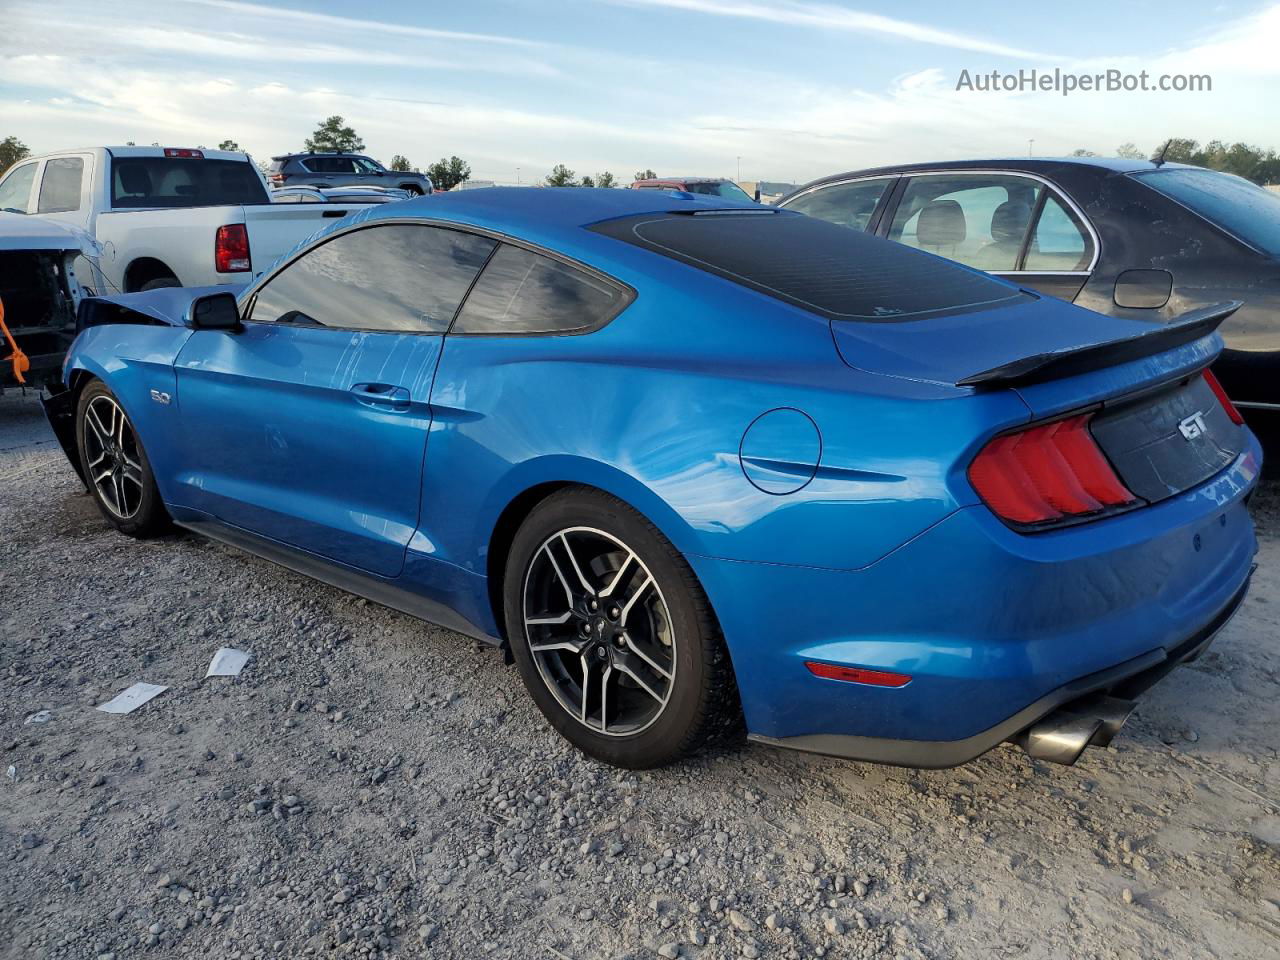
pixel 114 465
pixel 612 634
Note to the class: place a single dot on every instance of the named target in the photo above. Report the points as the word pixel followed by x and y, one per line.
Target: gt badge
pixel 1193 426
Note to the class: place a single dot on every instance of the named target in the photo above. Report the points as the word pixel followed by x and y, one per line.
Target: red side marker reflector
pixel 1227 405
pixel 873 678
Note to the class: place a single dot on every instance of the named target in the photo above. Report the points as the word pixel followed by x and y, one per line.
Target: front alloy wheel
pixel 612 633
pixel 114 464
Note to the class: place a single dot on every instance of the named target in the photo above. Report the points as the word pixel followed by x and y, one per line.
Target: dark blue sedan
pixel 692 461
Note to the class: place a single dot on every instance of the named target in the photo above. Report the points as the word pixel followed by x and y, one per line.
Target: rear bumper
pixel 995 628
pixel 1125 681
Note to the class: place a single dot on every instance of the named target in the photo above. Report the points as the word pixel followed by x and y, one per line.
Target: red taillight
pixel 1223 399
pixel 276 178
pixel 231 248
pixel 183 153
pixel 874 678
pixel 1047 472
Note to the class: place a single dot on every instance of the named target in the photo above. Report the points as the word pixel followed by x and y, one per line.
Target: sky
pixel 787 90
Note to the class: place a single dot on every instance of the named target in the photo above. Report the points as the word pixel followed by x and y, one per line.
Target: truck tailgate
pixel 276 228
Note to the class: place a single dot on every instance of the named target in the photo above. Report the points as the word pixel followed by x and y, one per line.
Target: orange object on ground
pixel 20 362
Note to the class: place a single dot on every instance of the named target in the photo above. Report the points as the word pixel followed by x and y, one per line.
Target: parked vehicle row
pixel 691 459
pixel 1129 238
pixel 342 170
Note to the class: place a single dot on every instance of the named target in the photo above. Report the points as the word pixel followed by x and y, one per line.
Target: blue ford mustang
pixel 691 461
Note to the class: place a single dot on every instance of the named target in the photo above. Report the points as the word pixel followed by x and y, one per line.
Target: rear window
pixel 179 182
pixel 1243 209
pixel 829 270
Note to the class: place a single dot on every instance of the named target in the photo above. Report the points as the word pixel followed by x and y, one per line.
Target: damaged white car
pixel 46 268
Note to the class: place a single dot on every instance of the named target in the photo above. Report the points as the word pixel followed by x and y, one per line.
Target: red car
pixel 708 186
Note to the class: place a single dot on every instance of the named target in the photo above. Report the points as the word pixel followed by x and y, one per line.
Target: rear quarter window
pixel 522 293
pixel 827 269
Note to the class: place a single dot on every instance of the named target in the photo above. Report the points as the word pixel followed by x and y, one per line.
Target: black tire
pixel 701 695
pixel 159 282
pixel 412 189
pixel 143 513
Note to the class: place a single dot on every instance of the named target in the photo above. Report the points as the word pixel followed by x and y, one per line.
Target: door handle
pixel 382 395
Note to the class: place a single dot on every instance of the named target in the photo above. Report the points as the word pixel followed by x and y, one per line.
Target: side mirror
pixel 216 311
pixel 757 197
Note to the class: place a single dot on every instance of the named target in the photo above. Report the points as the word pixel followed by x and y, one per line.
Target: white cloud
pixel 825 16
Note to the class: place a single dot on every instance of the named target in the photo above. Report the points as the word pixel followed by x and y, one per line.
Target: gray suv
pixel 341 170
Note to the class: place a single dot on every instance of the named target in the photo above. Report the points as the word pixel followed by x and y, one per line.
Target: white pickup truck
pixel 165 216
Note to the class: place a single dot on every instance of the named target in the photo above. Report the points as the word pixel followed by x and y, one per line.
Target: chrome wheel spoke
pixel 568 592
pixel 586 686
pixel 618 575
pixel 573 560
pixel 604 699
pixel 623 667
pixel 549 621
pixel 569 646
pixel 631 600
pixel 653 665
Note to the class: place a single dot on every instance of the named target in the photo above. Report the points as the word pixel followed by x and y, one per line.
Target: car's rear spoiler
pixel 1065 363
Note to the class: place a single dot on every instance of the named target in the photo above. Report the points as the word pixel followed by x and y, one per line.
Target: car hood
pixel 1023 342
pixel 21 232
pixel 166 304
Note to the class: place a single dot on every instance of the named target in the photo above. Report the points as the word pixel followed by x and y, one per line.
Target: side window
pixel 979 220
pixel 401 278
pixel 1059 243
pixel 60 187
pixel 844 204
pixel 15 189
pixel 522 292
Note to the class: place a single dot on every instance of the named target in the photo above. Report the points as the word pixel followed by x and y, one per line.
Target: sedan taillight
pixel 231 248
pixel 1053 471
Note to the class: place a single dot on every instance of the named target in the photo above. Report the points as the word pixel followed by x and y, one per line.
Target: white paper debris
pixel 227 663
pixel 133 698
pixel 43 716
pixel 12 773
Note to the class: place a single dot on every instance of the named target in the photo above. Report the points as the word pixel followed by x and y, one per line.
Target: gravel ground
pixel 371 785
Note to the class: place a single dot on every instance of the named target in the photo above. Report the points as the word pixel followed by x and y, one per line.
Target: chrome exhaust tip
pixel 1063 735
pixel 1113 712
pixel 1060 737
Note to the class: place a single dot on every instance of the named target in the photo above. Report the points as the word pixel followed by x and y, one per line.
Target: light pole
pixel 517 176
pixel 1030 144
pixel 739 170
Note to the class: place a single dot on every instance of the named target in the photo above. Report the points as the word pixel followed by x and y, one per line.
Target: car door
pixel 1013 225
pixel 856 204
pixel 16 187
pixel 309 426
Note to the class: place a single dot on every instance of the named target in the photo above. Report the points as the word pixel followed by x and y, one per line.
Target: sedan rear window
pixel 1243 209
pixel 829 270
pixel 183 182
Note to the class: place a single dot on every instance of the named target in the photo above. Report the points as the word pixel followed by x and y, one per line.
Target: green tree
pixel 645 175
pixel 1082 152
pixel 1178 150
pixel 229 145
pixel 447 174
pixel 11 151
pixel 587 181
pixel 606 179
pixel 333 136
pixel 561 176
pixel 1130 152
pixel 400 164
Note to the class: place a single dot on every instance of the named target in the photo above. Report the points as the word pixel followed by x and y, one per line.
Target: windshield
pixel 138 182
pixel 719 188
pixel 1243 209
